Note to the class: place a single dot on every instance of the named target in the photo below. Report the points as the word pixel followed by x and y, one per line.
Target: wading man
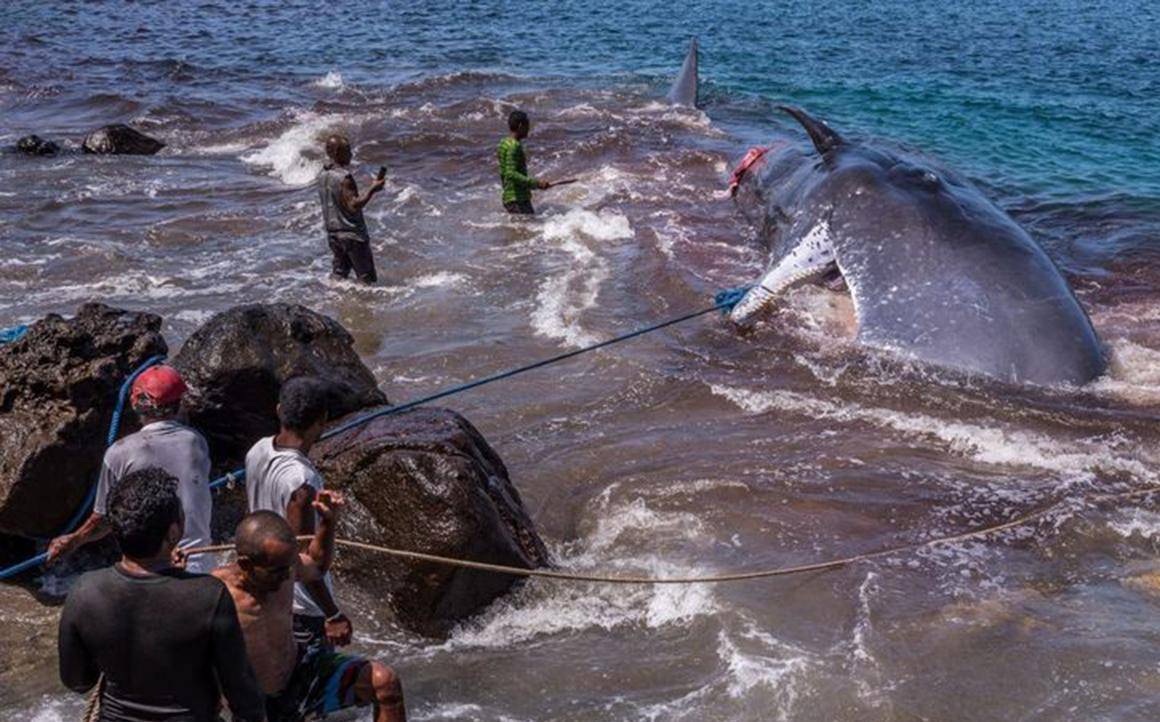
pixel 342 212
pixel 299 679
pixel 513 167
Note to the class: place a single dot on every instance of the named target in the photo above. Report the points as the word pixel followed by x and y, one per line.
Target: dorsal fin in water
pixel 824 138
pixel 684 90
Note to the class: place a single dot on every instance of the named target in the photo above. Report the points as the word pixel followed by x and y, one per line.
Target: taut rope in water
pixel 93 710
pixel 713 578
pixel 723 301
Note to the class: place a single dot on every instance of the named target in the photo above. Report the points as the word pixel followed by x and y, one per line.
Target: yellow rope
pixel 711 578
pixel 93 709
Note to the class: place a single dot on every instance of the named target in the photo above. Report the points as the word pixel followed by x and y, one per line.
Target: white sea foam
pixel 136 286
pixel 193 316
pixel 1134 373
pixel 441 279
pixel 221 148
pixel 771 663
pixel 562 298
pixel 545 609
pixel 293 156
pixel 412 196
pixel 1082 457
pixel 1141 523
pixel 332 81
pixel 56 709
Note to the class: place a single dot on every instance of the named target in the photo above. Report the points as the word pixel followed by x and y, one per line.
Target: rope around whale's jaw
pixel 744 314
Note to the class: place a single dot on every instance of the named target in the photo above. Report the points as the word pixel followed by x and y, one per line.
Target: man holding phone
pixel 342 212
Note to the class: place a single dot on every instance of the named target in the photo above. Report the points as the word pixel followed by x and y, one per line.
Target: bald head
pixel 338 149
pixel 263 535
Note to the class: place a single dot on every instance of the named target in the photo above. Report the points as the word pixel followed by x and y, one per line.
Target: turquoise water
pixel 1058 98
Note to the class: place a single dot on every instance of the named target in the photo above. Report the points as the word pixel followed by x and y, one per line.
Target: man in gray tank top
pixel 342 214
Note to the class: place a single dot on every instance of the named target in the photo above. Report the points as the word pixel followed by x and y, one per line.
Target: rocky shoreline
pixel 424 480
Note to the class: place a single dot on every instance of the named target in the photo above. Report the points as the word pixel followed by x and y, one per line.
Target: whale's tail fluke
pixel 684 90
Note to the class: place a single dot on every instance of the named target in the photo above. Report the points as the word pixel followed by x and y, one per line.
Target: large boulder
pixel 120 140
pixel 237 362
pixel 427 481
pixel 58 388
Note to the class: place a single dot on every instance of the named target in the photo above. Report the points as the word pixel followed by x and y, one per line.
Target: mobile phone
pixel 382 172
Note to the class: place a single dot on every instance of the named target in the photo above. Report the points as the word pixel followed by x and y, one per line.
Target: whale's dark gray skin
pixel 684 90
pixel 936 271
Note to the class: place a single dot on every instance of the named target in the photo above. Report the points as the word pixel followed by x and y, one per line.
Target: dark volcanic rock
pixel 120 140
pixel 35 145
pixel 58 388
pixel 427 481
pixel 237 362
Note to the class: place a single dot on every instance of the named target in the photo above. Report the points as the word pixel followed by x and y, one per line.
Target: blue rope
pixel 724 301
pixel 13 334
pixel 114 429
pixel 730 297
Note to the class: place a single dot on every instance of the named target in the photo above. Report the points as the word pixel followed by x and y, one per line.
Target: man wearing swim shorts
pixel 299 680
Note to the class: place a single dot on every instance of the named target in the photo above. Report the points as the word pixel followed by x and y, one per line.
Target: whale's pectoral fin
pixel 806 261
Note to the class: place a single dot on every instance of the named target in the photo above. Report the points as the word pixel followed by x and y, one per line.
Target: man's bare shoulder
pixel 230 575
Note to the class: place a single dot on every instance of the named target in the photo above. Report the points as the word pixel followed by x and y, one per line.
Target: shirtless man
pixel 299 680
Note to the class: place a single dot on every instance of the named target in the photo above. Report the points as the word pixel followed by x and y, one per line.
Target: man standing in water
pixel 513 167
pixel 299 680
pixel 342 213
pixel 281 478
pixel 162 442
pixel 167 642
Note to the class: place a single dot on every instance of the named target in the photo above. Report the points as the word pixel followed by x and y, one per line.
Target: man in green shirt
pixel 513 167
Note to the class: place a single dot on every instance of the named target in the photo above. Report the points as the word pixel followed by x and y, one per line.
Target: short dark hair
pixel 517 119
pixel 142 506
pixel 302 402
pixel 256 529
pixel 334 142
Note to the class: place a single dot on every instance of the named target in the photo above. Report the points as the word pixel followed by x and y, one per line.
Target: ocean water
pixel 694 450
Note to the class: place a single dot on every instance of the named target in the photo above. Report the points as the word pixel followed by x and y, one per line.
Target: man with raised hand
pixel 342 212
pixel 281 478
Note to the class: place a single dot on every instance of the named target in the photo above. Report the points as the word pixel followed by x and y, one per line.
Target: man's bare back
pixel 268 625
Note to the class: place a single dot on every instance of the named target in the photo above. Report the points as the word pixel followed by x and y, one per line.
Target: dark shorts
pixel 520 208
pixel 352 253
pixel 323 681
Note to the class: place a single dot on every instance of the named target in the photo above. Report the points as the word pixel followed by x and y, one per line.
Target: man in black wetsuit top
pixel 167 641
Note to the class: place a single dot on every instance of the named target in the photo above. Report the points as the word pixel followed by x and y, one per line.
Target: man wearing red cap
pixel 163 442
